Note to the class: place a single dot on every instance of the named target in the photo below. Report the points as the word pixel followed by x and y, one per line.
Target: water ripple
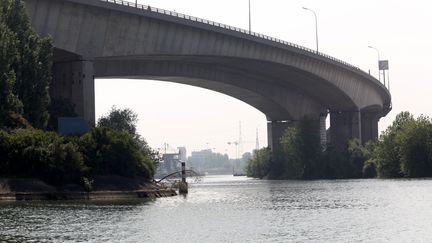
pixel 235 209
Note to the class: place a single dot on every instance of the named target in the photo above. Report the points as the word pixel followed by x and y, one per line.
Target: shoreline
pixel 92 196
pixel 110 189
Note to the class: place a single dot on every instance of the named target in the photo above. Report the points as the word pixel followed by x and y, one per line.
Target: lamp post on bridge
pixel 379 72
pixel 249 16
pixel 316 26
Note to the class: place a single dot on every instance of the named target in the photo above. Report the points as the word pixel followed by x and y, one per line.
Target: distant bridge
pixel 287 82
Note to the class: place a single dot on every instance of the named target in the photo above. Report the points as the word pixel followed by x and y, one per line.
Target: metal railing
pixel 224 26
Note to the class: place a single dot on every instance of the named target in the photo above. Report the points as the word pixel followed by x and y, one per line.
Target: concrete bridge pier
pixel 275 130
pixel 369 125
pixel 323 130
pixel 74 80
pixel 344 125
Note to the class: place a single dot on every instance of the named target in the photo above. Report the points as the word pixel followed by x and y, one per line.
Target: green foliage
pixel 60 107
pixel 302 157
pixel 60 160
pixel 300 152
pixel 387 150
pixel 357 156
pixel 15 120
pixel 120 119
pixel 88 184
pixel 44 155
pixel 143 159
pixel 291 164
pixel 259 165
pixel 334 164
pixel 415 147
pixel 27 71
pixel 9 102
pixel 369 169
pixel 111 152
pixel 405 148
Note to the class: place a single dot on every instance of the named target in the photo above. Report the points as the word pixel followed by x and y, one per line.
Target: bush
pixel 59 160
pixel 300 153
pixel 415 150
pixel 59 107
pixel 120 119
pixel 39 154
pixel 259 165
pixel 369 169
pixel 111 152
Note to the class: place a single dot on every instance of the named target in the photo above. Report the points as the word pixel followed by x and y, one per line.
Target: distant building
pixel 170 163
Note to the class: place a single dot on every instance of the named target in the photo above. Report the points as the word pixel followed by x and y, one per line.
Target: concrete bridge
pixel 287 82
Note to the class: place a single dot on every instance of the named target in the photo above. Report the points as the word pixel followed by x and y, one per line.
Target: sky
pixel 196 118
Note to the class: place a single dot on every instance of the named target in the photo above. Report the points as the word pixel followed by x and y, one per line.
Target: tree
pixel 387 150
pixel 112 152
pixel 120 119
pixel 32 65
pixel 357 156
pixel 9 102
pixel 290 164
pixel 301 151
pixel 60 107
pixel 125 120
pixel 415 150
pixel 259 165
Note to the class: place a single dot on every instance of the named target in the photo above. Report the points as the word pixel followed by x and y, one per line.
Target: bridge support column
pixel 74 80
pixel 323 131
pixel 275 131
pixel 369 126
pixel 344 126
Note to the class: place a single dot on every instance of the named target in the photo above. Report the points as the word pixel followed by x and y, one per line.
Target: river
pixel 237 209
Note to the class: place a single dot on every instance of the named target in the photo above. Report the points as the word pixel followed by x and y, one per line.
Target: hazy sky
pixel 197 118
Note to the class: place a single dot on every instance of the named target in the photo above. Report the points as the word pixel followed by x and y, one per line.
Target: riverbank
pixel 104 188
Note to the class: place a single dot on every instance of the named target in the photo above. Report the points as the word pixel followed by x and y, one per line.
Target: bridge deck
pixel 228 27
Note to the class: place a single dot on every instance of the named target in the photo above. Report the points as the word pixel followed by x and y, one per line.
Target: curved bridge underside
pixel 95 38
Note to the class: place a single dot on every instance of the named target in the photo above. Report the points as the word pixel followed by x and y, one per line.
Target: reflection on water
pixel 236 209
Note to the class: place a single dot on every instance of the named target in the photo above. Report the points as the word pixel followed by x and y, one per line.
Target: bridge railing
pixel 196 19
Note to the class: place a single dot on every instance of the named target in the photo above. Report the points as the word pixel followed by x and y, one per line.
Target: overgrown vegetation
pixel 60 160
pixel 403 150
pixel 259 165
pixel 120 119
pixel 25 68
pixel 125 120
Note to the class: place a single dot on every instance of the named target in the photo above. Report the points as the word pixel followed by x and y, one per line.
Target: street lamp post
pixel 316 26
pixel 236 156
pixel 379 72
pixel 249 16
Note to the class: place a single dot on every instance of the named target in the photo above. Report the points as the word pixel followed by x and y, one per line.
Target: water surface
pixel 237 209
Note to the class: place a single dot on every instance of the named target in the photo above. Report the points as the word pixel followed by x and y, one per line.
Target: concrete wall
pixel 74 80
